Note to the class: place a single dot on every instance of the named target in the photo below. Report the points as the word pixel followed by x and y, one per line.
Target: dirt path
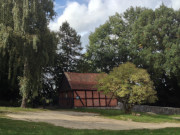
pixel 80 120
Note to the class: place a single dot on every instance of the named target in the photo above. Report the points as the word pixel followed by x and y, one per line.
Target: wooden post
pixel 99 99
pixel 106 100
pixel 92 98
pixel 72 99
pixel 86 98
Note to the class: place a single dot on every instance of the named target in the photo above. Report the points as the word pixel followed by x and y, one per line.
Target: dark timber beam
pixel 79 98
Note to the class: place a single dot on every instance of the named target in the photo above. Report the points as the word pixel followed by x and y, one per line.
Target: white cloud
pixel 176 4
pixel 85 18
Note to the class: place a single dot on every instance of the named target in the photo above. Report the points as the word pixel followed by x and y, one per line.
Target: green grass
pixel 16 127
pixel 18 109
pixel 4 110
pixel 144 117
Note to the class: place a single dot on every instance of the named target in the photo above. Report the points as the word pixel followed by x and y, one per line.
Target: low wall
pixel 156 109
pixel 146 108
pixel 153 109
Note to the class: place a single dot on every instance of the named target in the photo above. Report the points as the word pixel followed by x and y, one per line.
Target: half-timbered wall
pixel 86 96
pixel 92 98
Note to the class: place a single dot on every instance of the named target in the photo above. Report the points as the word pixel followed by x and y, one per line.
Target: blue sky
pixel 85 15
pixel 61 4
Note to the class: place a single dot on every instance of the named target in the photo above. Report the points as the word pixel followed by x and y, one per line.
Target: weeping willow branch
pixel 24 33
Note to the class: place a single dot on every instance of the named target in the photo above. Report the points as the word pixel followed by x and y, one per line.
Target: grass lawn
pixel 16 127
pixel 18 109
pixel 144 117
pixel 4 110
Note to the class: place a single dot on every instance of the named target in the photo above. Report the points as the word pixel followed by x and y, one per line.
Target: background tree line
pixel 148 38
pixel 33 58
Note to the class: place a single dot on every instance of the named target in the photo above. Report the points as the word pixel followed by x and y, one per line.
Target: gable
pixel 64 84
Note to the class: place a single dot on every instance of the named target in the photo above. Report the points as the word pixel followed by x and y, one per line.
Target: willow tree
pixel 25 37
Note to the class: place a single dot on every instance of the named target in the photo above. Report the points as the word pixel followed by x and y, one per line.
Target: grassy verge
pixel 4 110
pixel 16 127
pixel 143 117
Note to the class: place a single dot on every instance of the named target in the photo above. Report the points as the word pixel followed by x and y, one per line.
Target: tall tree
pixel 27 39
pixel 68 51
pixel 69 47
pixel 156 47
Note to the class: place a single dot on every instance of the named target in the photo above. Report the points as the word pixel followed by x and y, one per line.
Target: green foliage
pixel 156 34
pixel 67 57
pixel 69 47
pixel 26 40
pixel 68 52
pixel 84 65
pixel 130 85
pixel 155 46
pixel 148 38
pixel 108 45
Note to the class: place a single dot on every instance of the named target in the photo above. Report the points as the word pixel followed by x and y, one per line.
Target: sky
pixel 86 15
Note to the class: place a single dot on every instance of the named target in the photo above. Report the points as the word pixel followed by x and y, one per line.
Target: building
pixel 79 90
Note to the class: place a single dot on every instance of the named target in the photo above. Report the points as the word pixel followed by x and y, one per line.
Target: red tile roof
pixel 82 81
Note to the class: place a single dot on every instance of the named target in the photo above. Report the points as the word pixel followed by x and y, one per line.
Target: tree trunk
pixel 25 92
pixel 24 102
pixel 127 108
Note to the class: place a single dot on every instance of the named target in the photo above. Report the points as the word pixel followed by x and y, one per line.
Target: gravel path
pixel 81 120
